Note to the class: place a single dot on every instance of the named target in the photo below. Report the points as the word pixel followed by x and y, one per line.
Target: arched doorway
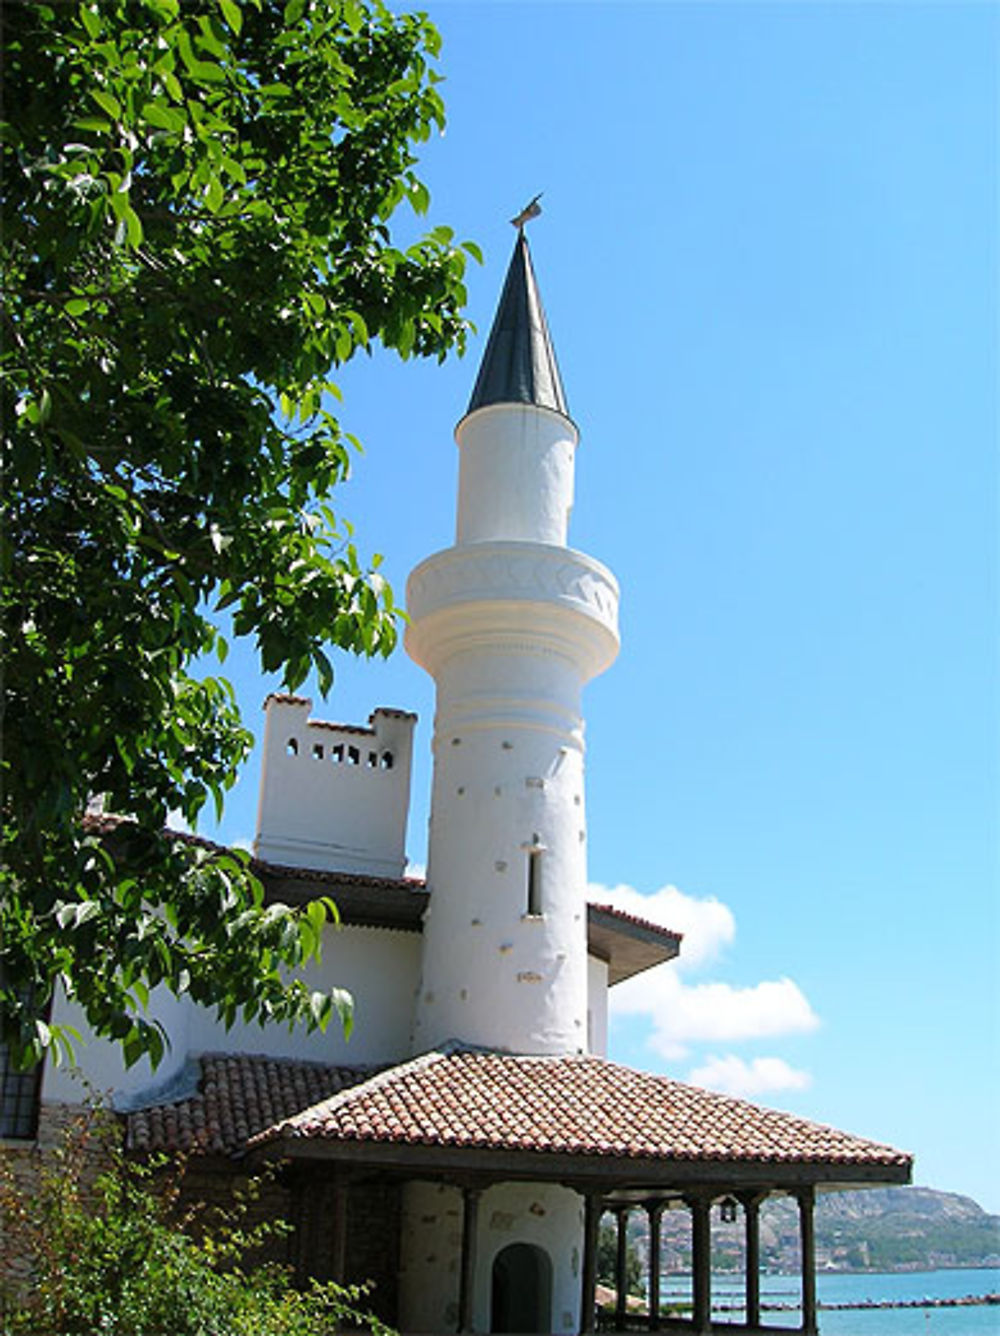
pixel 522 1290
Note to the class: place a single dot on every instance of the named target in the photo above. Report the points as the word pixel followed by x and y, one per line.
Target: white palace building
pixel 460 1151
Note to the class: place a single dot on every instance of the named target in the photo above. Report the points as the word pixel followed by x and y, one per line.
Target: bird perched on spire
pixel 529 211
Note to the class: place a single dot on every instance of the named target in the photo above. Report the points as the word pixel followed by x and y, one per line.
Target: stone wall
pixel 74 1143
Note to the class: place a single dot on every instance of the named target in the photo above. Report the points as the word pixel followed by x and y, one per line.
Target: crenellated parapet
pixel 334 797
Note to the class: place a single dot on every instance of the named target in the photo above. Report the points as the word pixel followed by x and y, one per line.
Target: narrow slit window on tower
pixel 534 883
pixel 317 751
pixel 353 756
pixel 337 753
pixel 387 760
pixel 292 747
pixel 373 759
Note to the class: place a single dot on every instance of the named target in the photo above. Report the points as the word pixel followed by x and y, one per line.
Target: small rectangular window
pixel 535 882
pixel 20 1094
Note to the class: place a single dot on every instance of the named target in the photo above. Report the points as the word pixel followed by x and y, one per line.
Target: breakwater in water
pixel 956 1301
pixel 947 1302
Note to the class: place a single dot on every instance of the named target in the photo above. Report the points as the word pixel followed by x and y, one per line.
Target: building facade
pixel 461 1149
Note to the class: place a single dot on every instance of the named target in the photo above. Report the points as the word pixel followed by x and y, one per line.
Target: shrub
pixel 105 1251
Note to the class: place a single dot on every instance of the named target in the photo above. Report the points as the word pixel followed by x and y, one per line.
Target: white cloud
pixel 708 925
pixel 681 1013
pixel 731 1075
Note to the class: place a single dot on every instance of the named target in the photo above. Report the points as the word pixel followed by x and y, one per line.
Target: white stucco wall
pixel 597 1007
pixel 510 631
pixel 334 796
pixel 99 1070
pixel 545 1215
pixel 379 967
pixel 515 474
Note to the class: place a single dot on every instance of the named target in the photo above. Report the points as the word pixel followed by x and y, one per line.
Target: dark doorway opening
pixel 522 1290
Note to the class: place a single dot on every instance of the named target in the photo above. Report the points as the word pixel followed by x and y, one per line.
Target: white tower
pixel 511 623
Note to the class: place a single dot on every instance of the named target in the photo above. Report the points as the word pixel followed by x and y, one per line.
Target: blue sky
pixel 769 261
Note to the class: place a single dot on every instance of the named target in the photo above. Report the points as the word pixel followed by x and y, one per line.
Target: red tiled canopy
pixel 581 1106
pixel 238 1097
pixel 458 1099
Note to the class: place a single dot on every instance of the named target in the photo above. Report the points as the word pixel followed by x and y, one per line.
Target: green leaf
pixel 214 195
pixel 90 21
pixel 232 14
pixel 95 123
pixel 163 117
pixel 107 102
pixel 133 227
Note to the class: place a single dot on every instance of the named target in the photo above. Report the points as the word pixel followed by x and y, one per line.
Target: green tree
pixel 607 1261
pixel 195 209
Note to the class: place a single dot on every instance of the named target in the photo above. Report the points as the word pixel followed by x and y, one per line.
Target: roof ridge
pixel 334 1103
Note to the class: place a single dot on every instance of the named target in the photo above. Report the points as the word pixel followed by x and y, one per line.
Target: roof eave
pixel 610 1171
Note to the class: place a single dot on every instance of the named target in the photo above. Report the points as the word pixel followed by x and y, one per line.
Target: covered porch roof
pixel 578 1119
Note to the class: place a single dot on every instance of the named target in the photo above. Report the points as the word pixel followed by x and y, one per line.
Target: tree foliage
pixel 607 1261
pixel 195 229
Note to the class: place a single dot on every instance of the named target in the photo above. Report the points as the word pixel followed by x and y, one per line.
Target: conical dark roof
pixel 519 365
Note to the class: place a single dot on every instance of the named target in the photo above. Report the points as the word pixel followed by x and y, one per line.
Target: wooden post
pixel 588 1289
pixel 654 1209
pixel 621 1266
pixel 701 1247
pixel 807 1243
pixel 338 1241
pixel 467 1277
pixel 751 1206
pixel 299 1242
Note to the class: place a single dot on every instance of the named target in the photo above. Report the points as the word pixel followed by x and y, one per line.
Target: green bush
pixel 104 1250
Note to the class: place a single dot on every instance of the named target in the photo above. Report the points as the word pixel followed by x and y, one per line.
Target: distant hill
pixel 880 1229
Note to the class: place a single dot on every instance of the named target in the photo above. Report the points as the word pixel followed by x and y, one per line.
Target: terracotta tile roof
pixel 582 1106
pixel 647 925
pixel 237 1098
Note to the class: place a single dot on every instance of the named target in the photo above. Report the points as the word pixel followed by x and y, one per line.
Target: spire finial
pixel 519 364
pixel 531 210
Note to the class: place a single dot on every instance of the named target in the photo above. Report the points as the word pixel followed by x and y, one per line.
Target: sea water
pixel 874 1287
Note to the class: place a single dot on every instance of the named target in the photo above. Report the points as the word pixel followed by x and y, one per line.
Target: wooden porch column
pixel 467 1275
pixel 654 1209
pixel 807 1244
pixel 621 1265
pixel 701 1263
pixel 300 1240
pixel 751 1207
pixel 588 1293
pixel 338 1239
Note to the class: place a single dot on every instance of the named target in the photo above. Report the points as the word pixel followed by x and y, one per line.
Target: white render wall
pixel 378 966
pixel 597 1007
pixel 334 796
pixel 98 1070
pixel 542 1214
pixel 511 624
pixel 515 477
